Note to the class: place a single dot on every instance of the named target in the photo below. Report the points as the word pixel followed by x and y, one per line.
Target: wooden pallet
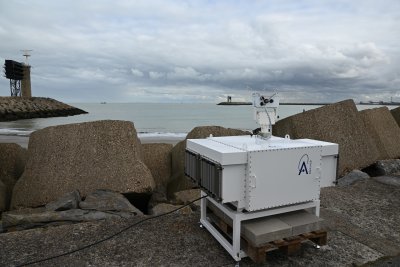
pixel 288 246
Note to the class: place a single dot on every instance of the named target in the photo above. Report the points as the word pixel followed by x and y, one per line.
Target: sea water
pixel 159 119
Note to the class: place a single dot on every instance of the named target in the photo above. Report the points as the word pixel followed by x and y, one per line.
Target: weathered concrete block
pixel 384 130
pixel 396 115
pixel 264 230
pixel 337 123
pixel 301 221
pixel 12 163
pixel 84 156
pixel 157 158
pixel 3 199
pixel 205 131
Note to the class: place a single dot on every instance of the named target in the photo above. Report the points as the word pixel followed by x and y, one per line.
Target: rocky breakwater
pixel 17 108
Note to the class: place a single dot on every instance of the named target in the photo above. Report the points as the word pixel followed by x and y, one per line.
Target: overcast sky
pixel 202 51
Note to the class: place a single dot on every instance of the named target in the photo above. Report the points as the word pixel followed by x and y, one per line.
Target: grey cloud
pixel 131 50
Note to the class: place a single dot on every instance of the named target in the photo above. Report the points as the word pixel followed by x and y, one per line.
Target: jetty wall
pixel 17 108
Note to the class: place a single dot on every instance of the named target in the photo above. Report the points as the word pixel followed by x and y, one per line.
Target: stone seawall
pixel 17 108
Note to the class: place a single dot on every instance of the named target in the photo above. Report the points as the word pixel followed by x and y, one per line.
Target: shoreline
pixel 24 140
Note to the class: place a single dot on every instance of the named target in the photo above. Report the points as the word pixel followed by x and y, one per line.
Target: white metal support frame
pixel 237 218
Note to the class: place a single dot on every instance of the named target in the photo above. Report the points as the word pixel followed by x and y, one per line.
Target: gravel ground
pixel 363 219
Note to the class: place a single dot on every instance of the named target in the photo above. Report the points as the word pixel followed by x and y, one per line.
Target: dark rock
pixel 3 197
pixel 159 196
pixel 84 156
pixel 383 167
pixel 105 200
pixel 76 215
pixel 384 130
pixel 389 180
pixel 12 163
pixel 337 123
pixel 67 202
pixel 164 208
pixel 352 177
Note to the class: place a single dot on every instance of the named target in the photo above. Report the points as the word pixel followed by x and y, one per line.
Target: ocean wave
pixel 24 132
pixel 162 135
pixel 18 132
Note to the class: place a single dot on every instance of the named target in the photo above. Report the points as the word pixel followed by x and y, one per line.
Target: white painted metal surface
pixel 262 173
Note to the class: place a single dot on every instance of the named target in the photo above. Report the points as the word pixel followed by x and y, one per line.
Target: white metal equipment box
pixel 254 173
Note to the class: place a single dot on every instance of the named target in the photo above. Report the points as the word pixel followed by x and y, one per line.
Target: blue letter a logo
pixel 303 168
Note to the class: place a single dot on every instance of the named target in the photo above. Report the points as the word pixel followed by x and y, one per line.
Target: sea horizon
pixel 159 120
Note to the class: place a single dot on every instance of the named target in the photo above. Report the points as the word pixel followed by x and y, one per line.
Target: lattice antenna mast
pixel 26 54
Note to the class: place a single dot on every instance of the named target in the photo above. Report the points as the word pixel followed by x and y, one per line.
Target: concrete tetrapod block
pixel 384 130
pixel 396 115
pixel 301 222
pixel 157 157
pixel 12 163
pixel 337 123
pixel 83 156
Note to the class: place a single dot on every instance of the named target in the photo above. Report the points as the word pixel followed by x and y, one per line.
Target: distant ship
pixel 103 102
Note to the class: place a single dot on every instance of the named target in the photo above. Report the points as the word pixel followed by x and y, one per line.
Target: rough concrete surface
pixel 396 114
pixel 364 223
pixel 166 207
pixel 12 163
pixel 384 130
pixel 157 158
pixel 3 197
pixel 187 196
pixel 83 156
pixel 338 123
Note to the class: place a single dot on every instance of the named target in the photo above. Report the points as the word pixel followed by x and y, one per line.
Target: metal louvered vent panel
pixel 192 166
pixel 206 173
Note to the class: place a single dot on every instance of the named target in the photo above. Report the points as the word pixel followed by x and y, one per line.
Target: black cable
pixel 109 237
